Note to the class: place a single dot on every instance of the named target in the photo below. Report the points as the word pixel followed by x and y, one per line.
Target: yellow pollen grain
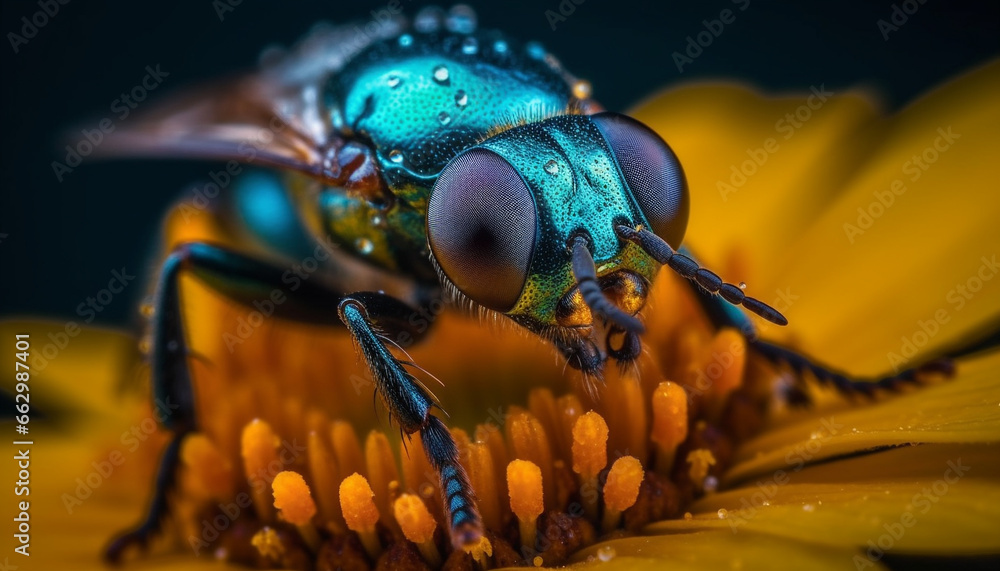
pixel 293 498
pixel 207 466
pixel 622 486
pixel 480 550
pixel 670 423
pixel 259 448
pixel 590 445
pixel 268 544
pixel 700 460
pixel 359 510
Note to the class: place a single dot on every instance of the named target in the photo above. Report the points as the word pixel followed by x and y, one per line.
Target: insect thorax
pixel 418 100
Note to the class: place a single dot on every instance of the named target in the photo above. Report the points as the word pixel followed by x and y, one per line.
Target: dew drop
pixel 393 81
pixel 743 285
pixel 606 553
pixel 396 156
pixel 552 167
pixel 364 246
pixel 461 20
pixel 581 89
pixel 535 50
pixel 808 507
pixel 723 513
pixel 441 74
pixel 500 47
pixel 406 40
pixel 711 484
pixel 444 118
pixel 470 46
pixel 428 20
pixel 461 98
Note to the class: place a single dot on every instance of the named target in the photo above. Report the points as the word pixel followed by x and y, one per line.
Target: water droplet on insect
pixel 500 47
pixel 393 81
pixel 743 285
pixel 396 156
pixel 723 513
pixel 470 46
pixel 552 167
pixel 581 89
pixel 461 20
pixel 364 246
pixel 441 74
pixel 536 50
pixel 406 40
pixel 377 220
pixel 606 553
pixel 444 118
pixel 428 19
pixel 461 98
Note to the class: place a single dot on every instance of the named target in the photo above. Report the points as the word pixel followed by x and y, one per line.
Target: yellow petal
pixel 932 499
pixel 964 409
pixel 713 550
pixel 902 270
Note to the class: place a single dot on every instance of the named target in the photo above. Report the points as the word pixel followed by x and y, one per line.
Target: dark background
pixel 63 239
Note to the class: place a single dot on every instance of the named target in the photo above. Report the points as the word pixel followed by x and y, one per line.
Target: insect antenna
pixel 585 273
pixel 685 266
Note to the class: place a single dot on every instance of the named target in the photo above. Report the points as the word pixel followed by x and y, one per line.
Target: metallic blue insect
pixel 469 163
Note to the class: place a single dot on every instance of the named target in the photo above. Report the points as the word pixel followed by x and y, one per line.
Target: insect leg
pixel 410 403
pixel 723 314
pixel 244 279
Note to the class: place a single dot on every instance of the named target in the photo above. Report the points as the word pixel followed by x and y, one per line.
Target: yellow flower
pixel 875 236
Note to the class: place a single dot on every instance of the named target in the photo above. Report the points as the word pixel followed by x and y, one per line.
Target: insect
pixel 467 162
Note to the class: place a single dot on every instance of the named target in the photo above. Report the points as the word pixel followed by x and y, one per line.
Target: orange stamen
pixel 670 424
pixel 211 471
pixel 323 470
pixel 524 480
pixel 621 489
pixel 529 442
pixel 360 512
pixel 590 455
pixel 381 472
pixel 418 526
pixel 259 448
pixel 293 498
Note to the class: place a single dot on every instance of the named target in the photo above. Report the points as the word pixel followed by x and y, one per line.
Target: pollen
pixel 418 526
pixel 524 480
pixel 293 498
pixel 670 423
pixel 552 472
pixel 621 489
pixel 360 511
pixel 701 461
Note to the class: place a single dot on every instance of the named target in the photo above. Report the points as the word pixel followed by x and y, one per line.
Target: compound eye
pixel 652 171
pixel 481 224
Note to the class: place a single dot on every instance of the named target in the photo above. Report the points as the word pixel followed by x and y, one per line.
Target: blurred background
pixel 60 241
